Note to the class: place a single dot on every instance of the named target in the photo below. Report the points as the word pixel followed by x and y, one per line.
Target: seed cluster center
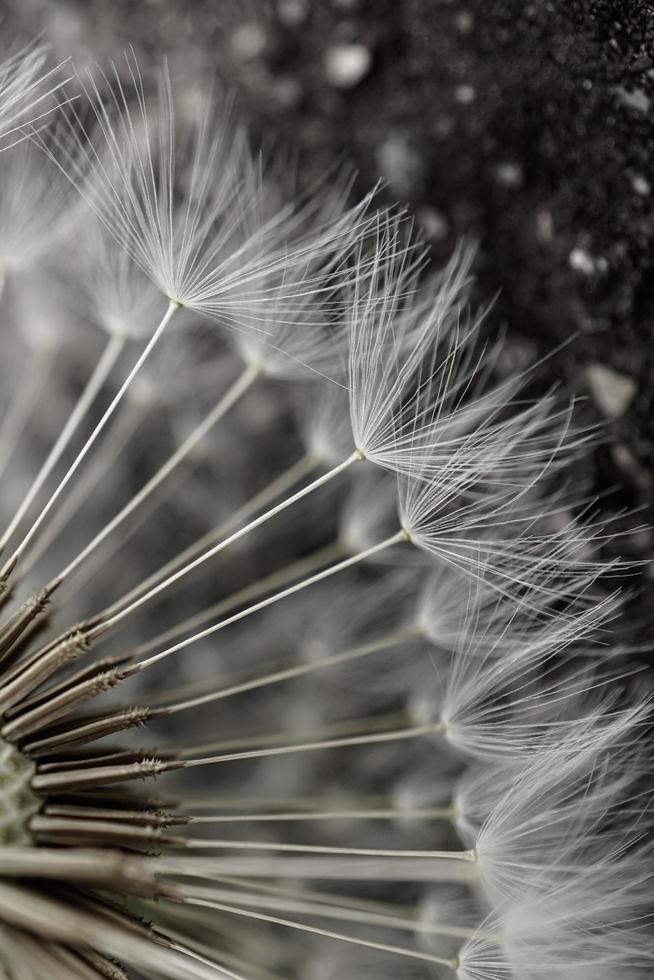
pixel 17 801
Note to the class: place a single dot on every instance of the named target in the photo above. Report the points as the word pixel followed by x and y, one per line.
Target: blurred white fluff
pixel 37 207
pixel 592 927
pixel 512 686
pixel 109 289
pixel 324 423
pixel 560 815
pixel 27 88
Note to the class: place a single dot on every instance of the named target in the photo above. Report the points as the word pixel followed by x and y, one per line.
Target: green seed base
pixel 17 801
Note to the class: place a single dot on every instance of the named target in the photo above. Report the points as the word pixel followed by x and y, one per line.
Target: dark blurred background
pixel 528 127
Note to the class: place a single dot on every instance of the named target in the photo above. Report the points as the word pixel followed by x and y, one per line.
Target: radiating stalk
pixel 277 486
pixel 343 910
pixel 271 600
pixel 277 677
pixel 23 404
pixel 145 353
pixel 436 813
pixel 417 731
pixel 233 845
pixel 281 576
pixel 226 542
pixel 232 395
pixel 86 399
pixel 452 963
pixel 119 436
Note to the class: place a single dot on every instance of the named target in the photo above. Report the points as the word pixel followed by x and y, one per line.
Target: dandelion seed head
pixel 306 669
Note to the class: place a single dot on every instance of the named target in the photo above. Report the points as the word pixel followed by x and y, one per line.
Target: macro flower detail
pixel 191 208
pixel 307 666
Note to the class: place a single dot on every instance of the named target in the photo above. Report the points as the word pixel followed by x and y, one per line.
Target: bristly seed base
pixel 17 801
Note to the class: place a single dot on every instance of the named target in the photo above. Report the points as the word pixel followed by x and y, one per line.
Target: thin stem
pixel 232 395
pixel 396 915
pixel 145 353
pixel 342 937
pixel 312 803
pixel 288 901
pixel 437 813
pixel 322 868
pixel 289 673
pixel 232 845
pixel 271 600
pixel 86 399
pixel 376 723
pixel 22 405
pixel 192 954
pixel 226 542
pixel 119 434
pixel 280 577
pixel 417 731
pixel 221 929
pixel 276 487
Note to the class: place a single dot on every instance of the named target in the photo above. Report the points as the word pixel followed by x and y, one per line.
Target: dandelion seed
pixel 221 252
